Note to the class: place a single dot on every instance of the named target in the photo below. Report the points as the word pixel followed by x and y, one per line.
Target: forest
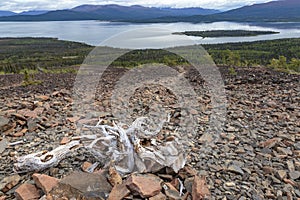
pixel 53 55
pixel 17 54
pixel 283 54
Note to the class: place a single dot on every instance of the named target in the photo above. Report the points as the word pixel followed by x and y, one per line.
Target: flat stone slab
pixel 81 185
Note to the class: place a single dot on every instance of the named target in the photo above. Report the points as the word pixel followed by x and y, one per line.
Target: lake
pixel 141 35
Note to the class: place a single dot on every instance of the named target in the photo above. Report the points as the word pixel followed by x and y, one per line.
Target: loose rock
pixel 27 191
pixel 9 182
pixel 81 185
pixel 200 189
pixel 146 185
pixel 46 183
pixel 119 192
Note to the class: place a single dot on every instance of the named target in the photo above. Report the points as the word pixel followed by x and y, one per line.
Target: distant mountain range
pixel 31 12
pixel 282 10
pixel 107 12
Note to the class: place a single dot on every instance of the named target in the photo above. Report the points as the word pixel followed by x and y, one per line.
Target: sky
pixel 25 5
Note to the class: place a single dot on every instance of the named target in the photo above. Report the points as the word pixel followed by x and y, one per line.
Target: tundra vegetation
pixel 50 55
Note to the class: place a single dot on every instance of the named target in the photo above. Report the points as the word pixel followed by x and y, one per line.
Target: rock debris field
pixel 257 155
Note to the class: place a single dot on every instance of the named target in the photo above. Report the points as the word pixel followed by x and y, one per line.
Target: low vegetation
pixel 29 78
pixel 50 55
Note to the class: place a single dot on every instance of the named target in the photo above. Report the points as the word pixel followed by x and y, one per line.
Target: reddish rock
pixel 38 103
pixel 30 114
pixel 46 183
pixel 200 189
pixel 186 172
pixel 11 129
pixel 55 93
pixel 114 176
pixel 118 192
pixel 218 181
pixel 42 97
pixel 175 183
pixel 3 198
pixel 288 181
pixel 20 133
pixel 160 196
pixel 19 116
pixel 85 165
pixel 190 171
pixel 270 143
pixel 73 119
pixel 64 140
pixel 39 110
pixel 20 122
pixel 145 185
pixel 27 191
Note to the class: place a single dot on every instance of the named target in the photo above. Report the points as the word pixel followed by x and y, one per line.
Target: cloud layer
pixel 23 5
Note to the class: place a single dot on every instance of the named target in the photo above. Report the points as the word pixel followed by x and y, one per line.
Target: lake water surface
pixel 141 35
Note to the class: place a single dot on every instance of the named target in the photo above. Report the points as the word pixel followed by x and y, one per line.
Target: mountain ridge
pixel 283 10
pixel 110 12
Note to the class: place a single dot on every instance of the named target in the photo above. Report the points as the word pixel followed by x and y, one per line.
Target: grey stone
pixel 281 174
pixel 290 165
pixel 9 182
pixel 82 185
pixel 172 194
pixel 230 129
pixel 294 175
pixel 32 125
pixel 188 184
pixel 235 169
pixel 3 145
pixel 3 123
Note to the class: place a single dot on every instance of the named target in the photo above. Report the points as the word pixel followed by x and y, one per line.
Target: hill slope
pixel 274 11
pixel 6 13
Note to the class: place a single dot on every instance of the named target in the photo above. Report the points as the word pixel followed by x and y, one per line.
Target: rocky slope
pixel 256 157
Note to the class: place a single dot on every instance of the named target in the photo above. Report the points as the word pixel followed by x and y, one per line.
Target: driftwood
pixel 43 160
pixel 115 144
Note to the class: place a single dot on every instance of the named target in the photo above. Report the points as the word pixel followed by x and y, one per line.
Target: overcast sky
pixel 24 5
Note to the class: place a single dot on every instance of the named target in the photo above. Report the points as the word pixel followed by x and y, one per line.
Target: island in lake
pixel 225 33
